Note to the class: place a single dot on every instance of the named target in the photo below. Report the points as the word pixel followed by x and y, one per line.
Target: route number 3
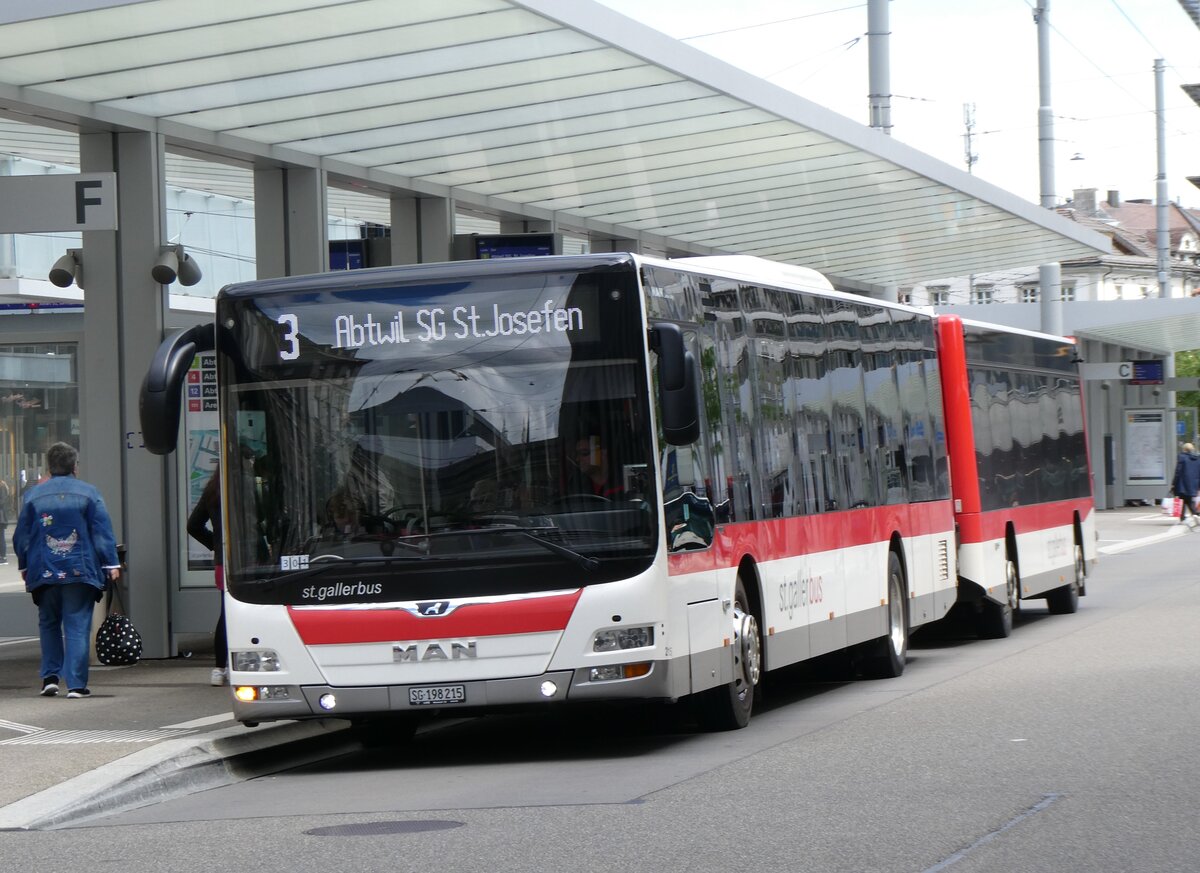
pixel 292 349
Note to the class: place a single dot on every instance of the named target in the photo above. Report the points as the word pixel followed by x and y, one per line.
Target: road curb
pixel 170 769
pixel 1125 546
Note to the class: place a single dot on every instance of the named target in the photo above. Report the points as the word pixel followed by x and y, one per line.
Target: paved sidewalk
pixel 1119 530
pixel 159 727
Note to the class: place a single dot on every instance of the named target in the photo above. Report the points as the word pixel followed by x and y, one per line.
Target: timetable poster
pixel 1145 447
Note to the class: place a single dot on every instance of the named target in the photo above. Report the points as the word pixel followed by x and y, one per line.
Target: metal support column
pixel 1162 235
pixel 291 221
pixel 422 230
pixel 1050 295
pixel 123 321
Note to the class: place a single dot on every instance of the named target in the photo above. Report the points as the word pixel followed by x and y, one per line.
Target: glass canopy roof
pixel 554 109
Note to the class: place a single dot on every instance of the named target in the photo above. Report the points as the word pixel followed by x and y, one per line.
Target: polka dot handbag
pixel 118 644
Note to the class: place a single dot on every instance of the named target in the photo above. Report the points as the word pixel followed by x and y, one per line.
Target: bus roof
pixel 1003 328
pixel 756 269
pixel 749 268
pixel 375 277
pixel 738 268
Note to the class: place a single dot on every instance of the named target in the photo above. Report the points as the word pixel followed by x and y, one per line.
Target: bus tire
pixel 995 620
pixel 728 706
pixel 1080 567
pixel 1064 600
pixel 889 653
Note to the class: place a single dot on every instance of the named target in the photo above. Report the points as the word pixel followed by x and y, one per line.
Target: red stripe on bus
pixel 318 627
pixel 774 539
pixel 982 527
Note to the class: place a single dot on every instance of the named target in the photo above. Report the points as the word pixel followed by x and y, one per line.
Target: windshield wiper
pixel 585 562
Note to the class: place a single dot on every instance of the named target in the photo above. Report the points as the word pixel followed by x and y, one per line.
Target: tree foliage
pixel 1187 364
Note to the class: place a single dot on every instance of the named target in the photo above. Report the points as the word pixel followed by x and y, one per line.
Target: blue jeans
pixel 65 625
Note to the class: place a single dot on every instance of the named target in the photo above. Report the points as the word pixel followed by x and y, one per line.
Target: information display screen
pixel 520 245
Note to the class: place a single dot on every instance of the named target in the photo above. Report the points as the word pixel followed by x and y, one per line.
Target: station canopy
pixel 557 110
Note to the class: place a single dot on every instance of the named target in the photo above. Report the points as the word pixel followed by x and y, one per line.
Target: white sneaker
pixel 219 676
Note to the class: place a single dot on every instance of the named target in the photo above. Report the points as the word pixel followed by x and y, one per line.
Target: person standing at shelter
pixel 67 553
pixel 206 515
pixel 1186 483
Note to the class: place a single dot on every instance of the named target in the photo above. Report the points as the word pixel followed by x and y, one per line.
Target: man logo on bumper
pixel 434 651
pixel 434 608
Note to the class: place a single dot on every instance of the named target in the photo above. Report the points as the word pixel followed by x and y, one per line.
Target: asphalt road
pixel 1070 746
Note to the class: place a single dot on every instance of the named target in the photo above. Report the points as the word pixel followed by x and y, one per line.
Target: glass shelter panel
pixel 39 406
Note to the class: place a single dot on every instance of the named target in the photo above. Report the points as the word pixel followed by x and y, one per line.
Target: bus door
pixel 689 532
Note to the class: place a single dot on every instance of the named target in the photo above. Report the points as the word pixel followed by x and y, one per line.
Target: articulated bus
pixel 1019 467
pixel 559 480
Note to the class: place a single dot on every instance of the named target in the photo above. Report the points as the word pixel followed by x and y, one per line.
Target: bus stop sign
pixel 1146 373
pixel 58 202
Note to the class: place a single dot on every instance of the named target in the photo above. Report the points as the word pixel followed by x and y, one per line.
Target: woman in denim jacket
pixel 67 552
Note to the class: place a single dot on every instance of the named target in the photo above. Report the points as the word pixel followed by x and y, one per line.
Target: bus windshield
pixel 428 440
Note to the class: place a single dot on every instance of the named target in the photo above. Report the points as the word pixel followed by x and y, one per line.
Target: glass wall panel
pixel 39 406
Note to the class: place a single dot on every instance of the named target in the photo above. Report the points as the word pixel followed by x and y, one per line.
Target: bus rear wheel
pixel 889 652
pixel 995 620
pixel 1065 599
pixel 728 706
pixel 1080 570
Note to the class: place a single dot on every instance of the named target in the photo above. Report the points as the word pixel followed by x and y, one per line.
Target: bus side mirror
pixel 162 389
pixel 678 385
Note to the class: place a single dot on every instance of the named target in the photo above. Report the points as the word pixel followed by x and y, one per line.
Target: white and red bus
pixel 1019 466
pixel 538 481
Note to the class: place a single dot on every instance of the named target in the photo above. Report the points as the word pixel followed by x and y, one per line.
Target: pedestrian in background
pixel 67 553
pixel 206 515
pixel 5 506
pixel 1186 483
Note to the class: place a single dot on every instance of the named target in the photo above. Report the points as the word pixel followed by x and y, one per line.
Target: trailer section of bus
pixel 1019 467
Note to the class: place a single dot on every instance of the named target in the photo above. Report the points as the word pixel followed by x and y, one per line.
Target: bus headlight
pixel 255 661
pixel 618 638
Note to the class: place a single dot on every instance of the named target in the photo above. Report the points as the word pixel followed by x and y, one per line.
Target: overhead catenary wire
pixel 771 23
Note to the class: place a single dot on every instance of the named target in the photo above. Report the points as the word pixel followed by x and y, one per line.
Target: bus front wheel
pixel 728 707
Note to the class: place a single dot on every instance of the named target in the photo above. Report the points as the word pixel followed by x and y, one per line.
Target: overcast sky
pixel 947 53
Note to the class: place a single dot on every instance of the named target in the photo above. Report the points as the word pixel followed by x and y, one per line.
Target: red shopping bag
pixel 1172 506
